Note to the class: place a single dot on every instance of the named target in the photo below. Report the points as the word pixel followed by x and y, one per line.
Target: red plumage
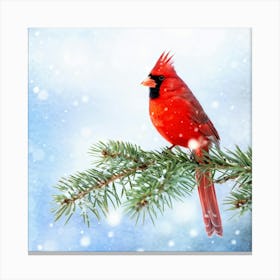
pixel 181 120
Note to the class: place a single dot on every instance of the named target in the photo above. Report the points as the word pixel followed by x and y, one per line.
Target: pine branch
pixel 147 182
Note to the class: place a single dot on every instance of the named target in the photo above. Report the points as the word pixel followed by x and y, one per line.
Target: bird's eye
pixel 161 78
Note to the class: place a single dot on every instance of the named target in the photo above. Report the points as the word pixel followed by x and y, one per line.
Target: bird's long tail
pixel 208 200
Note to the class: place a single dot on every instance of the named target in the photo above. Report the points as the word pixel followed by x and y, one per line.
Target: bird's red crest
pixel 164 65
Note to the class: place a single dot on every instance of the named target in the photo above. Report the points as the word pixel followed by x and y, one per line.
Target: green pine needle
pixel 145 183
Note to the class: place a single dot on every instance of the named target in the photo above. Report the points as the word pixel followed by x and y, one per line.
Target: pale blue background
pixel 84 86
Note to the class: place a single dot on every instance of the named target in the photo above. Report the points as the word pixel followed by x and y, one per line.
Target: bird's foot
pixel 193 158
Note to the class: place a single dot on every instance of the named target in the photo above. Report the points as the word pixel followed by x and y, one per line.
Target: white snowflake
pixel 36 89
pixel 215 104
pixel 85 241
pixel 193 144
pixel 193 233
pixel 171 243
pixel 114 218
pixel 237 232
pixel 85 98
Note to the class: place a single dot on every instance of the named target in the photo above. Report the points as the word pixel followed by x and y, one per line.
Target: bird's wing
pixel 199 117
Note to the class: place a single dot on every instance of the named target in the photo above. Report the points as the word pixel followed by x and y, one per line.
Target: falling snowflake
pixel 215 104
pixel 85 98
pixel 36 89
pixel 193 144
pixel 114 218
pixel 171 243
pixel 85 241
pixel 193 233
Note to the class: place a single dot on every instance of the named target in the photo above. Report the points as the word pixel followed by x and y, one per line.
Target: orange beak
pixel 149 83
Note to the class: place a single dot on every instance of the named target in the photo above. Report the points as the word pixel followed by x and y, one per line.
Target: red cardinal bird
pixel 180 119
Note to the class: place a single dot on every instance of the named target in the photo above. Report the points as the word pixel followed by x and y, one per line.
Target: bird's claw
pixel 193 158
pixel 171 147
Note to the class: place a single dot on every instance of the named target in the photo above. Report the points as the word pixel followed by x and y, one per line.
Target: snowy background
pixel 84 86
